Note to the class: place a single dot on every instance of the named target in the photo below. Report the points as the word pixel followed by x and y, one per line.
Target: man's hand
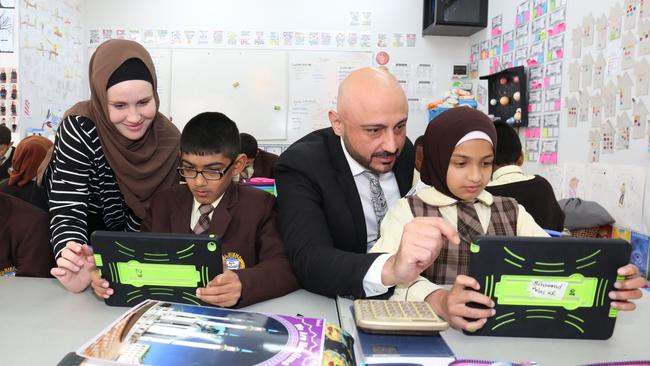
pixel 421 242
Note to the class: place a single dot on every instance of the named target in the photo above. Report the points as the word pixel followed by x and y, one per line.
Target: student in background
pixel 111 154
pixel 29 155
pixel 458 157
pixel 260 163
pixel 531 191
pixel 335 185
pixel 419 156
pixel 256 267
pixel 6 151
pixel 24 245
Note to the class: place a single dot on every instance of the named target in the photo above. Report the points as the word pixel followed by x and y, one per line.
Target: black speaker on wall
pixel 454 17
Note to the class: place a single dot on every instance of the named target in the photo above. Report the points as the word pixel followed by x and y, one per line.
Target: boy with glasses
pixel 256 267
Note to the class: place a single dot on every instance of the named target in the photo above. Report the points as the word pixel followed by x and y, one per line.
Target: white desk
pixel 629 342
pixel 40 322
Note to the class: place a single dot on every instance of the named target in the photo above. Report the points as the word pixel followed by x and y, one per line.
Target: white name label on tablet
pixel 547 289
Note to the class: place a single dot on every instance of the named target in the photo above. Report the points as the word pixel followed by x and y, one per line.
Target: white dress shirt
pixel 372 284
pixel 196 214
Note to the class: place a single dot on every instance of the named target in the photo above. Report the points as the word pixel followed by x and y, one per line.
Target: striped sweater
pixel 82 187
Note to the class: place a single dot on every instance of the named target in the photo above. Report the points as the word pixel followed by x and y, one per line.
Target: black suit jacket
pixel 4 167
pixel 320 213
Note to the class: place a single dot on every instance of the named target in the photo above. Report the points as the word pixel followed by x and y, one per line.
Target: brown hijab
pixel 28 156
pixel 141 167
pixel 441 137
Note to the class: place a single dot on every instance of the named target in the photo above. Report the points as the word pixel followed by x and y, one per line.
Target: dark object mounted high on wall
pixel 454 17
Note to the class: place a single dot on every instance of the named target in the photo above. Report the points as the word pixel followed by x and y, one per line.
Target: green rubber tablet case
pixel 548 287
pixel 167 267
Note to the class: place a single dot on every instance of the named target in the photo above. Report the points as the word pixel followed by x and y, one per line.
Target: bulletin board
pixel 249 86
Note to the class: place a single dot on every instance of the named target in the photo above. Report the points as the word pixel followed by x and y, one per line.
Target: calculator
pixel 397 317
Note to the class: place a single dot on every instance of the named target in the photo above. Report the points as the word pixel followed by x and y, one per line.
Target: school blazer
pixel 264 164
pixel 4 167
pixel 245 219
pixel 321 216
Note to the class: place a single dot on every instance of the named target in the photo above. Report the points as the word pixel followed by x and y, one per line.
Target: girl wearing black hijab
pixel 459 148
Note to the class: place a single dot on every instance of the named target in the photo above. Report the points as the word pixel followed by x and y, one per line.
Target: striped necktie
pixel 203 224
pixel 379 204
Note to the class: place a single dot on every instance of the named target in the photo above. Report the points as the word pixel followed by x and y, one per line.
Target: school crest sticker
pixel 234 261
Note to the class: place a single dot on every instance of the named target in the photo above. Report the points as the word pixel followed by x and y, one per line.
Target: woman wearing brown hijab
pixel 111 154
pixel 21 183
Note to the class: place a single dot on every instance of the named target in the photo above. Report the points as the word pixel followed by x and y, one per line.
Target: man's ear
pixel 337 124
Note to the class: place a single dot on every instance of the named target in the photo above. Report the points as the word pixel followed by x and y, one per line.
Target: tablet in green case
pixel 167 267
pixel 548 287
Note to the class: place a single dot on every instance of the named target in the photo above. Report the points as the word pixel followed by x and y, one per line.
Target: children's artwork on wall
pixel 536 77
pixel 627 51
pixel 548 153
pixel 599 71
pixel 609 100
pixel 507 60
pixel 536 54
pixel 631 10
pixel 599 184
pixel 594 146
pixel 554 174
pixel 639 118
pixel 495 65
pixel 596 110
pixel 644 10
pixel 485 49
pixel 535 101
pixel 627 197
pixel 534 123
pixel 495 46
pixel 551 125
pixel 584 111
pixel 523 13
pixel 615 22
pixel 576 42
pixel 540 8
pixel 497 25
pixel 574 77
pixel 555 49
pixel 640 252
pixel 575 178
pixel 601 32
pixel 553 74
pixel 624 91
pixel 643 37
pixel 532 149
pixel 607 137
pixel 623 132
pixel 572 111
pixel 588 30
pixel 521 36
pixel 508 42
pixel 585 71
pixel 557 22
pixel 539 29
pixel 521 56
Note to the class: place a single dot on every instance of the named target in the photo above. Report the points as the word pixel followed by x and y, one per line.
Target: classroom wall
pixel 601 179
pixel 387 16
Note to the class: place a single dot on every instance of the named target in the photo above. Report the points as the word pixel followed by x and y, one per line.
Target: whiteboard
pixel 249 86
pixel 314 78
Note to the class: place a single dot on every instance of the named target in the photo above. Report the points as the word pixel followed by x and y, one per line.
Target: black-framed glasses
pixel 208 174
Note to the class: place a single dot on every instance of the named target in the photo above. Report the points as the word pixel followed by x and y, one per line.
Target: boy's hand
pixel 628 289
pixel 452 304
pixel 224 290
pixel 420 245
pixel 74 266
pixel 100 285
